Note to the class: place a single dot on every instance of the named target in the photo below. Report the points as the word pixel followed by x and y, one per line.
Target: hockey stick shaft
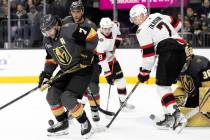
pixel 192 113
pixel 18 98
pixel 73 69
pixel 122 105
pixel 107 105
pixel 47 85
pixel 98 106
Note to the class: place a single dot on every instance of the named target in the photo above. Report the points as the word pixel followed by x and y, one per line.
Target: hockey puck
pixel 152 116
pixel 51 122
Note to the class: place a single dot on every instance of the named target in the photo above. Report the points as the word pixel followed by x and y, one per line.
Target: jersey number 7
pixel 160 26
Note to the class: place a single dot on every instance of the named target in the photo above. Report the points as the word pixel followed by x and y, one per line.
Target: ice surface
pixel 27 119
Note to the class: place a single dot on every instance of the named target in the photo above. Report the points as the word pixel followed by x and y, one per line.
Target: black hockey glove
pixel 109 77
pixel 143 75
pixel 86 58
pixel 43 78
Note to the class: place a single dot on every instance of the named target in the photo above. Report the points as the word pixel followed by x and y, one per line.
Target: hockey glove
pixel 143 75
pixel 43 78
pixel 109 77
pixel 86 58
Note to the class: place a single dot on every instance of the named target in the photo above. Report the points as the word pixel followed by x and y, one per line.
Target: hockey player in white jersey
pixel 107 34
pixel 158 38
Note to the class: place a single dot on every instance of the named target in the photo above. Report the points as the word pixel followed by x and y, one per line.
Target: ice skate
pixel 179 121
pixel 86 129
pixel 95 116
pixel 58 129
pixel 166 123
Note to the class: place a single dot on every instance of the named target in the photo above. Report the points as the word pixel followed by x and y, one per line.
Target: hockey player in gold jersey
pixel 194 89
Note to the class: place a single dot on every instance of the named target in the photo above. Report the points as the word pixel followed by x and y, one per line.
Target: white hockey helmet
pixel 137 10
pixel 106 23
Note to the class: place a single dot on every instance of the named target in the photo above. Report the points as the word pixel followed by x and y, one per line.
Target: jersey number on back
pixel 160 26
pixel 206 74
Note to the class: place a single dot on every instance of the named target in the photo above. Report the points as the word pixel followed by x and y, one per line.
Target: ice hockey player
pixel 77 16
pixel 158 38
pixel 107 34
pixel 194 88
pixel 63 49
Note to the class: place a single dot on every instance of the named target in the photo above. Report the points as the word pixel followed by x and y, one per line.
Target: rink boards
pixel 24 66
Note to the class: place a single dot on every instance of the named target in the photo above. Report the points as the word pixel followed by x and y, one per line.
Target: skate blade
pixel 88 135
pixel 162 127
pixel 61 133
pixel 178 129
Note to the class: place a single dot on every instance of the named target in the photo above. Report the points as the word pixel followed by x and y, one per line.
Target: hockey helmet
pixel 188 51
pixel 77 5
pixel 137 10
pixel 47 22
pixel 106 23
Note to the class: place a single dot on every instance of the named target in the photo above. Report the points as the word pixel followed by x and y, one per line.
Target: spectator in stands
pixel 22 28
pixel 195 26
pixel 205 9
pixel 35 34
pixel 188 30
pixel 3 26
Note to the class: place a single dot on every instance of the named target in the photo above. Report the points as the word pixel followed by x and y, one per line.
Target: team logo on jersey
pixel 62 55
pixel 188 84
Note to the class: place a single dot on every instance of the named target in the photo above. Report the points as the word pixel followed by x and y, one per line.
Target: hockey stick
pixel 98 106
pixel 192 113
pixel 47 85
pixel 73 69
pixel 122 105
pixel 107 105
pixel 196 110
pixel 18 98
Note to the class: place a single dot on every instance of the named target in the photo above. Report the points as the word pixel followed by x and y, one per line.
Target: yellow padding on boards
pixel 19 79
pixel 199 120
pixel 35 79
pixel 130 80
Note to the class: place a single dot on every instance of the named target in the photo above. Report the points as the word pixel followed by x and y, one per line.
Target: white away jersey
pixel 106 47
pixel 155 28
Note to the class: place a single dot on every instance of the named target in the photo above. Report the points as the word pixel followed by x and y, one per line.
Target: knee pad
pixel 53 96
pixel 69 99
pixel 198 120
pixel 204 99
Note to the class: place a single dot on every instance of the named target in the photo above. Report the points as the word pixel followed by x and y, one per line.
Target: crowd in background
pixel 25 19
